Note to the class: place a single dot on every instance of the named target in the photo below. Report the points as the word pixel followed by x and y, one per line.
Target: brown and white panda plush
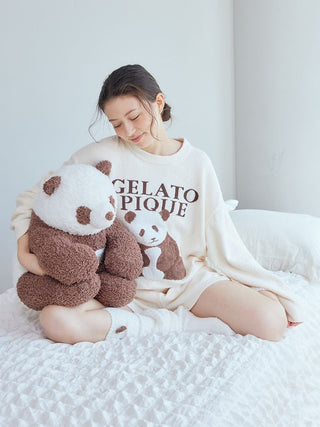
pixel 161 257
pixel 85 251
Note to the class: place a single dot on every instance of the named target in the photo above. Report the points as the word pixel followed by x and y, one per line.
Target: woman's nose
pixel 129 129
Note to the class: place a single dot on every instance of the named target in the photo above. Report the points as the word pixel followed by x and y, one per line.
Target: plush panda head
pixel 79 199
pixel 149 227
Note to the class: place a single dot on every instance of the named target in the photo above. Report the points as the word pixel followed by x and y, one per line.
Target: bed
pixel 188 379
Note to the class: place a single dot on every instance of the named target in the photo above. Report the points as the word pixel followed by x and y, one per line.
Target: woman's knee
pixel 270 321
pixel 59 323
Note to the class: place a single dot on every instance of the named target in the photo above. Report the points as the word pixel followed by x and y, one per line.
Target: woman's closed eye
pixel 134 118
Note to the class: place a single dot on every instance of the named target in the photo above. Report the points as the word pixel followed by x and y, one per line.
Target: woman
pixel 169 188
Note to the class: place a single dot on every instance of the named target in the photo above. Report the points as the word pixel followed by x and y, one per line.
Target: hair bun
pixel 166 113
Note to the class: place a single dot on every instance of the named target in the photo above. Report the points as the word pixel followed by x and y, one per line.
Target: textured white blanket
pixel 189 379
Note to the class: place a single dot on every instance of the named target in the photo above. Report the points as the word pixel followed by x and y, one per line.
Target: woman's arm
pixel 20 222
pixel 20 219
pixel 227 252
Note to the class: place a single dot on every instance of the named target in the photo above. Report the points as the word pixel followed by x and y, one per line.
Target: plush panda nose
pixel 109 216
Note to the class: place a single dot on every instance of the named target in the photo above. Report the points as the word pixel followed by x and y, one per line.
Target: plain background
pixel 241 77
pixel 277 109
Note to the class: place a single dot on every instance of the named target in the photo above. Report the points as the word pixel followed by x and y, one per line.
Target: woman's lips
pixel 137 139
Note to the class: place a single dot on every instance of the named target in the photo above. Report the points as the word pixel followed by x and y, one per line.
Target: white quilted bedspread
pixel 191 379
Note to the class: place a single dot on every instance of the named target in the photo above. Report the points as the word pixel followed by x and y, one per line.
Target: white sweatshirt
pixel 199 227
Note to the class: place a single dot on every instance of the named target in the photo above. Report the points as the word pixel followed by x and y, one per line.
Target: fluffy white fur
pixel 81 185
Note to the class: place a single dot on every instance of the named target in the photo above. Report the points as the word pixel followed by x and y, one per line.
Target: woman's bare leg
pixel 86 322
pixel 245 310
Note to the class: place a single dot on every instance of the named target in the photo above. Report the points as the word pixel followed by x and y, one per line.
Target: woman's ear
pixel 160 102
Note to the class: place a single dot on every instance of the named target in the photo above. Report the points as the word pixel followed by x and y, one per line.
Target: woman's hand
pixel 28 260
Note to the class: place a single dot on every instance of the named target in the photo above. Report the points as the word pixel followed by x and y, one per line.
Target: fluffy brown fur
pixel 74 274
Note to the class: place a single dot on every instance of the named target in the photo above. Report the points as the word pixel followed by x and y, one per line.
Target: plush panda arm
pixel 123 255
pixel 62 259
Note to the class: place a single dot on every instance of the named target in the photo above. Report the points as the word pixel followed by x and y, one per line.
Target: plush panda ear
pixel 164 214
pixel 129 216
pixel 104 167
pixel 50 185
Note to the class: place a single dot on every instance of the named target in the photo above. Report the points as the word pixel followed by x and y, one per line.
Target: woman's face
pixel 131 121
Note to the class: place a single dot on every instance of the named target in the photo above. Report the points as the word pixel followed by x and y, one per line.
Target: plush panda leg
pixel 162 321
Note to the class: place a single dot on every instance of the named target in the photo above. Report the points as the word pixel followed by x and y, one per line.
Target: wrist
pixel 22 247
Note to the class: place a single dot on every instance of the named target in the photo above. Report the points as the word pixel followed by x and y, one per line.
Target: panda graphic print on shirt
pixel 161 257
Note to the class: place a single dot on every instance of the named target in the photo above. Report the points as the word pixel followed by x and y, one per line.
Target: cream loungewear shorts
pixel 185 294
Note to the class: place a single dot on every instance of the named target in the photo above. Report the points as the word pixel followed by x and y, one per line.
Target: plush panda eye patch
pixel 83 215
pixel 155 228
pixel 141 233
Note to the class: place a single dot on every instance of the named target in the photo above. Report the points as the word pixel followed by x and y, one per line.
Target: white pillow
pixel 281 241
pixel 231 204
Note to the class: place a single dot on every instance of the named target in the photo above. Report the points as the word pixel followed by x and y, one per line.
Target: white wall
pixel 55 56
pixel 277 57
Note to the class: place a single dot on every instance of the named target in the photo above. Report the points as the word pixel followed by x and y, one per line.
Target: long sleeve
pixel 20 219
pixel 227 252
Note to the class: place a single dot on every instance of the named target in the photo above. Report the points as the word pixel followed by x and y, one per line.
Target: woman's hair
pixel 132 80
